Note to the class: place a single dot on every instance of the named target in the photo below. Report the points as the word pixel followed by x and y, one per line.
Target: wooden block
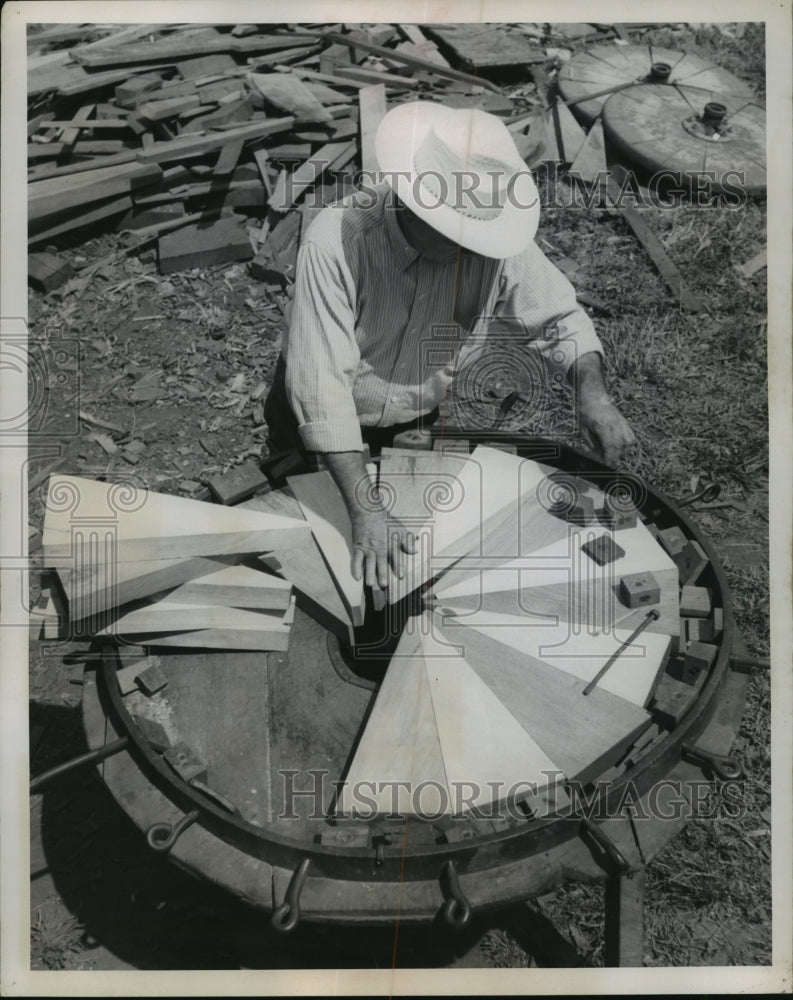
pixel 699 629
pixel 372 104
pixel 128 91
pixel 46 271
pixel 718 621
pixel 637 589
pixel 695 602
pixel 227 90
pixel 673 698
pixel 238 484
pixel 151 679
pixel 691 563
pixel 603 549
pixel 549 704
pixel 220 242
pixel 324 509
pixel 172 107
pixel 699 657
pixel 185 762
pixel 589 165
pixel 616 516
pixel 289 94
pixel 126 679
pixel 673 540
pixel 210 65
pixel 142 525
pixel 154 734
pixel 236 587
pixel 332 55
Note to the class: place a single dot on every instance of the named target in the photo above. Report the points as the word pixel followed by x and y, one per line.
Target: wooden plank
pixel 236 587
pixel 589 164
pixel 78 167
pixel 227 161
pixel 286 93
pixel 178 48
pixel 372 105
pixel 303 566
pixel 93 585
pixel 80 217
pixel 47 198
pixel 324 508
pixel 290 187
pixel 148 525
pixel 487 755
pixel 201 245
pixel 130 91
pixel 485 46
pixel 189 146
pixel 632 677
pixel 400 743
pixel 70 135
pixel 550 705
pixel 408 60
pixel 570 137
pixel 365 76
pixel 657 253
pixel 167 623
pixel 205 65
pixel 169 107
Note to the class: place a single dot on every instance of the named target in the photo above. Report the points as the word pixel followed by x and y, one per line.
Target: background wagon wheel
pixel 686 130
pixel 606 66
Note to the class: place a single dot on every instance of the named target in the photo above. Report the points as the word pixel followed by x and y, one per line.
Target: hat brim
pixel 400 132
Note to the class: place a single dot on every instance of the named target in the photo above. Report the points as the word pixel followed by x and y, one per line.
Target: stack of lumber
pixel 207 139
pixel 159 570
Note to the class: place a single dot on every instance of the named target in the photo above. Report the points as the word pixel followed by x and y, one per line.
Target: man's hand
pixel 603 427
pixel 379 542
pixel 606 431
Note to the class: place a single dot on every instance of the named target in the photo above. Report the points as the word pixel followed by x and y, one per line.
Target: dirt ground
pixel 181 364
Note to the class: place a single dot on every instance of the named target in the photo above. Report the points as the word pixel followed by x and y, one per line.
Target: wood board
pixel 148 525
pixel 236 587
pixel 324 509
pixel 583 734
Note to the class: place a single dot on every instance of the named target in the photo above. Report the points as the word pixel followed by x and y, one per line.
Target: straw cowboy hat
pixel 459 170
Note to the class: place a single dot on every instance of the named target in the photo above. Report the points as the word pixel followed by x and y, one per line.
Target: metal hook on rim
pixel 162 836
pixel 287 916
pixel 457 909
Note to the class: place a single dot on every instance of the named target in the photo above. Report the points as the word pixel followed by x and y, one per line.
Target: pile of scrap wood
pixel 206 139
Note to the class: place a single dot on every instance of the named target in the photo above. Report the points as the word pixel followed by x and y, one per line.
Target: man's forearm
pixel 348 469
pixel 586 376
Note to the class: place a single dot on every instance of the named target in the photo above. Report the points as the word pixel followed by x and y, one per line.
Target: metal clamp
pixel 615 855
pixel 725 768
pixel 162 836
pixel 706 495
pixel 287 916
pixel 457 909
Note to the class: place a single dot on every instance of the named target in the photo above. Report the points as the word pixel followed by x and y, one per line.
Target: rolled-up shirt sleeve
pixel 534 293
pixel 322 353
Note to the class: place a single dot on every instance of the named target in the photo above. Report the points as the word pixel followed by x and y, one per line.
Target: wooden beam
pixel 372 104
pixel 408 60
pixel 290 187
pixel 198 145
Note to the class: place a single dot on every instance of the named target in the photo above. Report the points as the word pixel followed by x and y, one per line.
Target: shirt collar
pixel 405 253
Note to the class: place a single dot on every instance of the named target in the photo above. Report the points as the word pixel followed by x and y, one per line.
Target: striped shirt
pixel 377 330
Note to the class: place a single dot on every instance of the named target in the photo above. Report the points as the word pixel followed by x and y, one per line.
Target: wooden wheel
pixel 684 130
pixel 606 66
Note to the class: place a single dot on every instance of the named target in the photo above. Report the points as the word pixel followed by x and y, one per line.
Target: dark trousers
pixel 282 424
